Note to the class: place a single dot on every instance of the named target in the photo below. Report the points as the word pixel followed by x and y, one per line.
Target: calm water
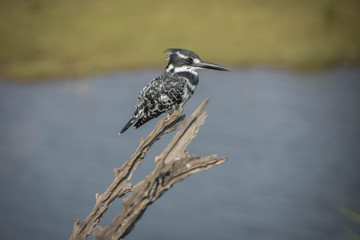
pixel 293 142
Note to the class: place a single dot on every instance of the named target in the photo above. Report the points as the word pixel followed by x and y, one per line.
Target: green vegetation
pixel 46 39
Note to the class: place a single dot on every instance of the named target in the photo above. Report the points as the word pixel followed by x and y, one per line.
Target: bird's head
pixel 181 60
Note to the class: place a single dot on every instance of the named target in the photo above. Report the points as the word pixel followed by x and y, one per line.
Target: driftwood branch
pixel 172 165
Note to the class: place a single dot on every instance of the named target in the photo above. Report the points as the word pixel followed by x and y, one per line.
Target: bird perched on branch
pixel 172 88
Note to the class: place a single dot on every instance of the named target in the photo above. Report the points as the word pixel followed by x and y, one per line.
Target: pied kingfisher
pixel 172 88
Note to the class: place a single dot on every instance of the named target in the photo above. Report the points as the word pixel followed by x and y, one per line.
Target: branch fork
pixel 173 165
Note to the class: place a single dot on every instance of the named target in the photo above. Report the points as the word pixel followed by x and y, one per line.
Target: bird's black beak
pixel 213 66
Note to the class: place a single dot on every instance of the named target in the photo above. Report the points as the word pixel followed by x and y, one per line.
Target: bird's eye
pixel 189 60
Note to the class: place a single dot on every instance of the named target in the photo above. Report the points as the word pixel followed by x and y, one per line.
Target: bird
pixel 172 89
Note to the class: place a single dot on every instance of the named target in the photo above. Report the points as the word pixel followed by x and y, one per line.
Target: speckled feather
pixel 163 94
pixel 172 89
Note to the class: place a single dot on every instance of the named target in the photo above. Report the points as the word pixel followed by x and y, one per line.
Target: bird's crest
pixel 170 51
pixel 180 52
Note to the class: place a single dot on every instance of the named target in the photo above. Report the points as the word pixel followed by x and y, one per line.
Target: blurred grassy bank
pixel 45 39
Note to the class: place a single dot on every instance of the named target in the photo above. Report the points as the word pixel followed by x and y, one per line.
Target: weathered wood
pixel 172 165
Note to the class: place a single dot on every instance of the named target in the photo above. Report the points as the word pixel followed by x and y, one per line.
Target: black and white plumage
pixel 172 88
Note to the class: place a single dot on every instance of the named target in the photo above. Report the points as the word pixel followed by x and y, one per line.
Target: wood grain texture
pixel 172 165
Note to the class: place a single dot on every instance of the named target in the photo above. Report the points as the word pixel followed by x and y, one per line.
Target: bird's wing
pixel 159 96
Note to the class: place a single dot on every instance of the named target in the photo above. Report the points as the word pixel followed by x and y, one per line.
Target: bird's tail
pixel 128 124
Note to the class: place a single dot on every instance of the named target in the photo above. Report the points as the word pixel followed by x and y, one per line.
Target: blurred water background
pixel 287 116
pixel 292 142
